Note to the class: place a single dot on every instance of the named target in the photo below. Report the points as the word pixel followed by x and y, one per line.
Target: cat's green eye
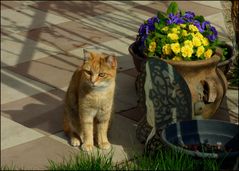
pixel 101 74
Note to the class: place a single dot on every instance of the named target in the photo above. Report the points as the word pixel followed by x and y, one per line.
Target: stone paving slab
pixel 230 101
pixel 68 35
pixel 75 10
pixel 9 4
pixel 226 115
pixel 120 23
pixel 17 49
pixel 42 112
pixel 27 18
pixel 152 8
pixel 13 134
pixel 134 114
pixel 34 155
pixel 55 70
pixel 132 72
pixel 125 91
pixel 15 86
pixel 123 5
pixel 15 4
pixel 213 4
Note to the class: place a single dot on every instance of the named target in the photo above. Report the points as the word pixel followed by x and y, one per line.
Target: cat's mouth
pixel 98 86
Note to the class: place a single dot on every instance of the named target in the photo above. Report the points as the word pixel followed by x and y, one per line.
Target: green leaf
pixel 182 12
pixel 173 8
pixel 220 42
pixel 148 39
pixel 158 35
pixel 199 18
pixel 150 54
pixel 162 22
pixel 161 15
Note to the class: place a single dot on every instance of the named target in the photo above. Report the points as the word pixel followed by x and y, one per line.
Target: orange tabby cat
pixel 89 101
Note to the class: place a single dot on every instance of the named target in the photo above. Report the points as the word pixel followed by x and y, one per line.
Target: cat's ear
pixel 111 60
pixel 87 55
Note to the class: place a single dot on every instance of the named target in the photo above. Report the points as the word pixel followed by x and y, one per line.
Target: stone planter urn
pixel 206 82
pixel 225 65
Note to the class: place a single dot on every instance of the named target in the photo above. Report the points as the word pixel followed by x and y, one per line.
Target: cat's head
pixel 99 69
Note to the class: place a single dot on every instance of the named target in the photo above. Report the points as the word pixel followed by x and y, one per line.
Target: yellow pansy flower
pixel 165 28
pixel 187 51
pixel 192 34
pixel 205 41
pixel 183 25
pixel 199 35
pixel 196 41
pixel 167 49
pixel 200 51
pixel 188 43
pixel 208 54
pixel 175 47
pixel 193 28
pixel 175 30
pixel 173 36
pixel 177 58
pixel 152 46
pixel 184 33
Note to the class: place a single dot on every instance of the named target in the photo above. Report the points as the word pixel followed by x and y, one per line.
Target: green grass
pixel 11 167
pixel 172 160
pixel 163 160
pixel 84 161
pixel 8 168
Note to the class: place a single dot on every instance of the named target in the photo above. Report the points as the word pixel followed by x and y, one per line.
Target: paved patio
pixel 42 44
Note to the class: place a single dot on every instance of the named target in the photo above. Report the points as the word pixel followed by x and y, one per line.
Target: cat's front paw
pixel 104 145
pixel 87 147
pixel 75 142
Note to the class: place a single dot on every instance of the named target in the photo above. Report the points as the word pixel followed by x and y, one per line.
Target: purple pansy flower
pixel 143 39
pixel 146 28
pixel 213 29
pixel 175 19
pixel 189 15
pixel 198 25
pixel 179 21
pixel 205 24
pixel 141 29
pixel 214 34
pixel 211 37
pixel 151 22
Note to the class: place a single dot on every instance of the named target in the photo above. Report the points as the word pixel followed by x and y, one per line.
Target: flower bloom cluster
pixel 178 37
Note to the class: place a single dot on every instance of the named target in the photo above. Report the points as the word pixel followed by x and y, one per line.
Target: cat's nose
pixel 92 83
pixel 93 80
